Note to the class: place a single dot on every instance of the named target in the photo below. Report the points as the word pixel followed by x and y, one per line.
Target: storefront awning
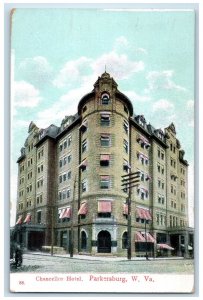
pixel 19 221
pixel 27 218
pixel 83 208
pixel 139 237
pixel 104 206
pixel 149 238
pixel 164 246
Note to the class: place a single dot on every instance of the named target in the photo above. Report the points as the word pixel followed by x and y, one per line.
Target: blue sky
pixel 58 54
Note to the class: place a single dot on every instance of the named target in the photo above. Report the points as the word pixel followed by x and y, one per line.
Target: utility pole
pixel 129 181
pixel 72 212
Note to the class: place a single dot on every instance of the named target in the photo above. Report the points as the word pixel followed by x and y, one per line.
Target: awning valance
pixel 67 213
pixel 83 208
pixel 104 206
pixel 149 238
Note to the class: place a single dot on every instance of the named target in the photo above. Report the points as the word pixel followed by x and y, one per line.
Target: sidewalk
pixel 103 258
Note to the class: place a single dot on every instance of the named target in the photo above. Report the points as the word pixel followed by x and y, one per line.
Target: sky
pixel 58 54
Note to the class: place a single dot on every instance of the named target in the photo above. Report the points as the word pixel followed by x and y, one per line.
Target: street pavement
pixel 41 262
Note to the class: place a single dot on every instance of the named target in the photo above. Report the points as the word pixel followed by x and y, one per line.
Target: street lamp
pixel 129 181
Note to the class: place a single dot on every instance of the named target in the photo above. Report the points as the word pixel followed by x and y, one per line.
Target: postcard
pixel 102 150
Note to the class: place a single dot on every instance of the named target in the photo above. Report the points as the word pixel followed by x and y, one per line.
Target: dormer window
pixel 105 99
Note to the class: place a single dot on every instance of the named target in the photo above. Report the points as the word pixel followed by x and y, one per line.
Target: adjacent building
pixel 70 181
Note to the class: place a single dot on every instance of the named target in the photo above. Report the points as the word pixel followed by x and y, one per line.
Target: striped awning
pixel 83 208
pixel 125 209
pixel 19 221
pixel 149 238
pixel 139 237
pixel 105 157
pixel 164 246
pixel 104 206
pixel 27 218
pixel 143 213
pixel 66 213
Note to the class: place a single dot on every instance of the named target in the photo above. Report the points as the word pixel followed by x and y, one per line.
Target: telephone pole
pixel 129 181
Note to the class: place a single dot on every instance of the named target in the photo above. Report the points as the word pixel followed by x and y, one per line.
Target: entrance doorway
pixel 104 242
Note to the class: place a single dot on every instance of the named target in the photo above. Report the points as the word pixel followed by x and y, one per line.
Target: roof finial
pixel 105 68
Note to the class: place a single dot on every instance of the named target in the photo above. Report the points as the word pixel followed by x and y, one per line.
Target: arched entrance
pixel 104 242
pixel 83 241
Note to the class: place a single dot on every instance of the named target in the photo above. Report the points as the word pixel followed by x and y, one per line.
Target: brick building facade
pixel 69 181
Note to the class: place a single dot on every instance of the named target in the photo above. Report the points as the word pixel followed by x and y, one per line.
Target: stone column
pixel 186 254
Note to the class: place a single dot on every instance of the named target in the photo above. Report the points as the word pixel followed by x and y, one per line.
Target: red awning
pixel 28 218
pixel 105 135
pixel 104 177
pixel 83 209
pixel 139 237
pixel 125 209
pixel 104 206
pixel 104 157
pixel 143 213
pixel 164 246
pixel 19 221
pixel 149 238
pixel 83 163
pixel 66 213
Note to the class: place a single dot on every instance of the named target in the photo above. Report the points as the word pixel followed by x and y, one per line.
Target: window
pixel 171 147
pixel 157 219
pixel 126 165
pixel 69 158
pixel 60 178
pixel 68 192
pixel 125 109
pixel 105 100
pixel 162 185
pixel 64 194
pixel 39 217
pixel 125 145
pixel 65 144
pixel 159 168
pixel 104 160
pixel 60 195
pixel 84 146
pixel 162 155
pixel 60 147
pixel 60 163
pixel 125 126
pixel 69 140
pixel 84 185
pixel 69 174
pixel 159 183
pixel 105 140
pixel 159 153
pixel 105 120
pixel 64 177
pixel 125 240
pixel 104 182
pixel 64 161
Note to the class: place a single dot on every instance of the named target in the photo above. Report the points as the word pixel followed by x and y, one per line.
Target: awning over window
pixel 125 209
pixel 83 208
pixel 104 206
pixel 19 221
pixel 27 218
pixel 143 140
pixel 104 177
pixel 164 246
pixel 143 213
pixel 139 237
pixel 83 163
pixel 104 157
pixel 105 135
pixel 66 213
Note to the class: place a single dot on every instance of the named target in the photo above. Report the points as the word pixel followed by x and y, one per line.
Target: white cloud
pixel 72 72
pixel 118 65
pixel 163 105
pixel 163 80
pixel 133 96
pixel 25 94
pixel 66 105
pixel 36 70
pixel 77 71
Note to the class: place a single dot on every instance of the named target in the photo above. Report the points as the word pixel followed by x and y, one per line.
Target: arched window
pixel 83 241
pixel 125 240
pixel 105 99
